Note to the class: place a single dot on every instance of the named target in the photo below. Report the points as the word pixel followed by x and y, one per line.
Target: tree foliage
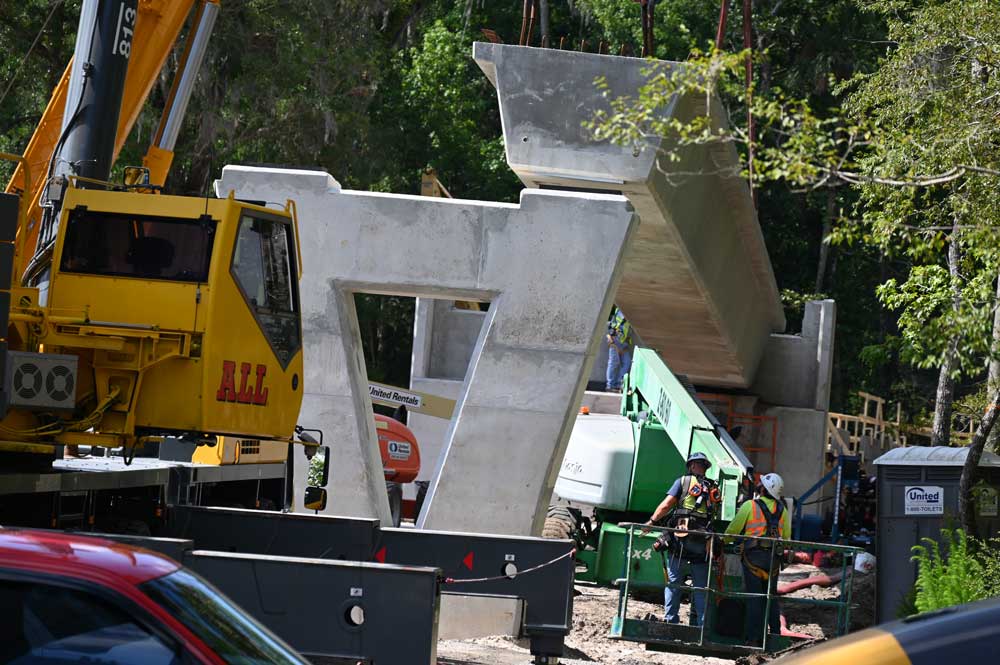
pixel 950 577
pixel 928 322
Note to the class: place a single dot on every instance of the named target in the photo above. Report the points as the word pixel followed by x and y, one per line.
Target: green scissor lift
pixel 668 423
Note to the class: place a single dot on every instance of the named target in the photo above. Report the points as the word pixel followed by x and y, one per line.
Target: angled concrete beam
pixel 549 268
pixel 698 284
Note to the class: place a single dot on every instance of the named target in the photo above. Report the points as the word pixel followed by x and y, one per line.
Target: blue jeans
pixel 619 363
pixel 672 597
pixel 755 607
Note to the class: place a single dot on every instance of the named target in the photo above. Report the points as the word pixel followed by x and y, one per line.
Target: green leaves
pixel 680 25
pixel 928 321
pixel 955 569
pixel 449 111
pixel 944 580
pixel 633 121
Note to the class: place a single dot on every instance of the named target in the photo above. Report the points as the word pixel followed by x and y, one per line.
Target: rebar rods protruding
pixel 524 23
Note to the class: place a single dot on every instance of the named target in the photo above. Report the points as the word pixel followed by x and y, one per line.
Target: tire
pixel 395 492
pixel 559 524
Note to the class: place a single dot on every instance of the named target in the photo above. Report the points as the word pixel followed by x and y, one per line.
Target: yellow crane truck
pixel 133 318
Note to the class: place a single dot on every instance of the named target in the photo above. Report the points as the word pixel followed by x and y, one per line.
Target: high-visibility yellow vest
pixel 689 500
pixel 620 328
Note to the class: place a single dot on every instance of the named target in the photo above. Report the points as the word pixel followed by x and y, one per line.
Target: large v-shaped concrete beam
pixel 698 284
pixel 549 268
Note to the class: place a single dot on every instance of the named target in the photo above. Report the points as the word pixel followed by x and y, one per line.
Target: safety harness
pixel 759 557
pixel 698 500
pixel 620 329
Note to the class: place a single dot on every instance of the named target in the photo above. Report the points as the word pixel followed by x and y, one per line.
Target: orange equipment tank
pixel 398 447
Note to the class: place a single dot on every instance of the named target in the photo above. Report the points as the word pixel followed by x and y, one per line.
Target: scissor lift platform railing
pixel 705 639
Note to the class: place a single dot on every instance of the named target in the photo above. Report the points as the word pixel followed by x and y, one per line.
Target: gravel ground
pixel 587 643
pixel 593 608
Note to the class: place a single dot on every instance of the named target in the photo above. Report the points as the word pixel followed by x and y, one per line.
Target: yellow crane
pixel 133 315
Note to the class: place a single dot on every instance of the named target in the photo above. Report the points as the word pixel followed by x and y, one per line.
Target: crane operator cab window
pixel 264 268
pixel 143 246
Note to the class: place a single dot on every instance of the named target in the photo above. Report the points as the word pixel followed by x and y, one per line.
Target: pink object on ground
pixel 817 580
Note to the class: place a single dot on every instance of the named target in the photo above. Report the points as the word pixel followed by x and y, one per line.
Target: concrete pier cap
pixel 548 266
pixel 698 284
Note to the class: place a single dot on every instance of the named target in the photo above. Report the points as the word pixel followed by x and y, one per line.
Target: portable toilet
pixel 917 497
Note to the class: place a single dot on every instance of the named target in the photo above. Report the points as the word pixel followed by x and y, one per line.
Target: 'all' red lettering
pixel 249 392
pixel 246 392
pixel 227 388
pixel 260 392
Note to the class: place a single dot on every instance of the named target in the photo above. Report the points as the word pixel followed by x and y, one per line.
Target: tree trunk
pixel 765 66
pixel 543 22
pixel 993 380
pixel 467 16
pixel 941 432
pixel 824 247
pixel 832 278
pixel 966 501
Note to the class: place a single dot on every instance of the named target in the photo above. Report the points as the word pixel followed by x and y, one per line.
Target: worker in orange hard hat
pixel 762 517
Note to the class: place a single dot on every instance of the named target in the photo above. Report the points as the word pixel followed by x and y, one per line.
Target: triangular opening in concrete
pixel 446 334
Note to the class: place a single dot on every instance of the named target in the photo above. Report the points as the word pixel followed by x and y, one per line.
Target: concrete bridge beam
pixel 548 267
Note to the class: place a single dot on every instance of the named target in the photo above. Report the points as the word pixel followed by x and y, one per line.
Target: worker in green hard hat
pixel 690 505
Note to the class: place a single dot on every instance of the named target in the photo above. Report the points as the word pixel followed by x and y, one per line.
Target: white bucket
pixel 864 563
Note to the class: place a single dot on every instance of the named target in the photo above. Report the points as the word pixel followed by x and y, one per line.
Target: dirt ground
pixel 594 607
pixel 821 622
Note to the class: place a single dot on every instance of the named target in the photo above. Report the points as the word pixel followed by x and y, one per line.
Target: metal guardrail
pixel 704 639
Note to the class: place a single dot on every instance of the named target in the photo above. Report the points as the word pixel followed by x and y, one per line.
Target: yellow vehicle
pixel 962 632
pixel 135 316
pixel 164 315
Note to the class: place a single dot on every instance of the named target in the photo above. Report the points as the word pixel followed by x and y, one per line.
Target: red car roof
pixel 80 556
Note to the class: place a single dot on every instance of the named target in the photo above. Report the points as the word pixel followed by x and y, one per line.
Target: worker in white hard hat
pixel 762 517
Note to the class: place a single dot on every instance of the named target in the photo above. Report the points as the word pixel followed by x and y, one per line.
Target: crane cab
pixel 182 312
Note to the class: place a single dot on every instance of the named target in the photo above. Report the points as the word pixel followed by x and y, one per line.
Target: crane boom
pixel 157 28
